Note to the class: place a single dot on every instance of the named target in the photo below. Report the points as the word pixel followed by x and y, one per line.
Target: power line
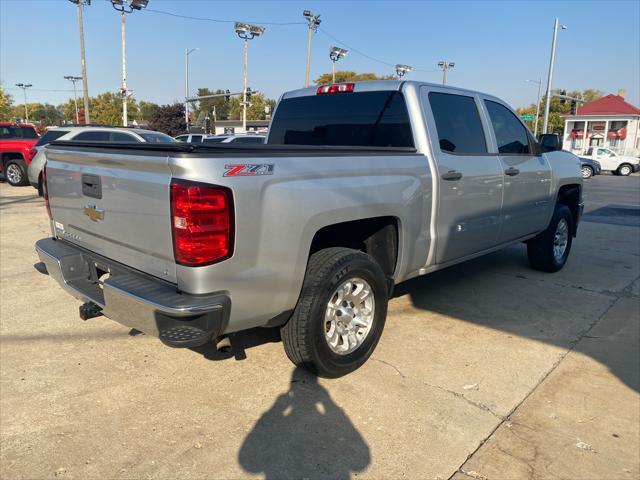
pixel 218 20
pixel 40 89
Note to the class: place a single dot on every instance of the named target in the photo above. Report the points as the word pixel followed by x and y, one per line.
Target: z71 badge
pixel 248 170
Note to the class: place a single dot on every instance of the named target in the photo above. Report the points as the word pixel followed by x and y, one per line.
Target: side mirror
pixel 550 142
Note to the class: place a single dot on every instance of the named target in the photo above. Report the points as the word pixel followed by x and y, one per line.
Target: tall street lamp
pixel 83 63
pixel 335 54
pixel 552 61
pixel 73 80
pixel 444 65
pixel 246 32
pixel 187 52
pixel 314 23
pixel 24 87
pixel 539 82
pixel 402 70
pixel 123 8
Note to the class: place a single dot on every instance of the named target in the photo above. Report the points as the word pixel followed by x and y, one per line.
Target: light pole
pixel 73 80
pixel 335 54
pixel 402 70
pixel 539 82
pixel 83 63
pixel 552 61
pixel 314 23
pixel 444 65
pixel 187 52
pixel 120 6
pixel 246 32
pixel 24 87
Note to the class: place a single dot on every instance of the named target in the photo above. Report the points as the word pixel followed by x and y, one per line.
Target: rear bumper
pixel 134 299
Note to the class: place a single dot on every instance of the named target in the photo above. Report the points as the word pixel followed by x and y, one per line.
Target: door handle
pixel 511 171
pixel 452 175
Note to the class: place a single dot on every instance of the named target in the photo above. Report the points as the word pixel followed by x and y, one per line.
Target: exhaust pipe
pixel 90 310
pixel 223 344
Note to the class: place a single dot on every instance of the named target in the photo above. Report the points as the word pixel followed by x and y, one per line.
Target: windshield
pixel 156 137
pixel 50 136
pixel 18 132
pixel 367 119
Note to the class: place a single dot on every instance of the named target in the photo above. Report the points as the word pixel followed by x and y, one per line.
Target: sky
pixel 496 46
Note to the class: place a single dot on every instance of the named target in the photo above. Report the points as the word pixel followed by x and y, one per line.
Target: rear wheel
pixel 549 251
pixel 15 173
pixel 587 172
pixel 625 170
pixel 340 315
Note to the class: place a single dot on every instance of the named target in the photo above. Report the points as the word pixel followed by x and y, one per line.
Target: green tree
pixel 351 77
pixel 6 105
pixel 106 109
pixel 43 113
pixel 557 109
pixel 147 109
pixel 257 110
pixel 208 105
pixel 169 119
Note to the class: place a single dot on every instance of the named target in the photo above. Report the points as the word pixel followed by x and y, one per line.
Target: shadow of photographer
pixel 304 435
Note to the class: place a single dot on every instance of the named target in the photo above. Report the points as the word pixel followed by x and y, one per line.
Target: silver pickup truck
pixel 358 187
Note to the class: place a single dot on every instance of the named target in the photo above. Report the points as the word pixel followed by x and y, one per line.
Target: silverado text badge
pixel 94 213
pixel 247 170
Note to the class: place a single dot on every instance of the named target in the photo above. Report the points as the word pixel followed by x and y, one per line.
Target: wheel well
pixel 377 237
pixel 8 156
pixel 570 195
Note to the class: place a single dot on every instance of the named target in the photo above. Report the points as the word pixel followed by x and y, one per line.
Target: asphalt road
pixel 613 199
pixel 486 370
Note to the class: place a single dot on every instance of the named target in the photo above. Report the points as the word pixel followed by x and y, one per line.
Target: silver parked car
pixel 88 134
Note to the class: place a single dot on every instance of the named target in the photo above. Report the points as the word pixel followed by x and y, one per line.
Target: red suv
pixel 17 143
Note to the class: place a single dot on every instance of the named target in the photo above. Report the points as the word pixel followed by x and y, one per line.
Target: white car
pixel 88 134
pixel 609 160
pixel 209 139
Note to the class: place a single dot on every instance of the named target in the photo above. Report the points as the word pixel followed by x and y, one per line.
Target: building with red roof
pixel 610 122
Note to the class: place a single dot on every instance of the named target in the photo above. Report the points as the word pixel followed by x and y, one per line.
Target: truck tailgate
pixel 115 205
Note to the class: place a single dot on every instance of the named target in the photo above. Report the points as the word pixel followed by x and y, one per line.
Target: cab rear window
pixel 17 132
pixel 366 119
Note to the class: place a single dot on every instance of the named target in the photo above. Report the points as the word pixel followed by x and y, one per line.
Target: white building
pixel 608 122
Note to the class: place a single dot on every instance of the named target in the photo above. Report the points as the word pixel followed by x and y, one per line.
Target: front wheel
pixel 340 315
pixel 549 251
pixel 625 170
pixel 587 172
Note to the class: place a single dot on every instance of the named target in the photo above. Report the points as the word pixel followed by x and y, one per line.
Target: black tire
pixel 540 249
pixel 625 170
pixel 15 172
pixel 39 188
pixel 587 172
pixel 303 335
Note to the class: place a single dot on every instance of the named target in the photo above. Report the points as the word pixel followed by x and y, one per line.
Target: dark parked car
pixel 589 167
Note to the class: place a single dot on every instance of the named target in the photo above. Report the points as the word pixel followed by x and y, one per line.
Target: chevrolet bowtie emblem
pixel 94 213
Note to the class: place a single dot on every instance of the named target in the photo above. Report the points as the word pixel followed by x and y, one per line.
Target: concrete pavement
pixel 485 370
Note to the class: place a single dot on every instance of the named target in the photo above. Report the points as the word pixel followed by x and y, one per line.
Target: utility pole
pixel 187 52
pixel 120 6
pixel 539 82
pixel 552 61
pixel 83 63
pixel 24 87
pixel 314 23
pixel 444 65
pixel 73 80
pixel 246 32
pixel 335 54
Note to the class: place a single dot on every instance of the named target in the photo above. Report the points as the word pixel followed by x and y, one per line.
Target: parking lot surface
pixel 486 370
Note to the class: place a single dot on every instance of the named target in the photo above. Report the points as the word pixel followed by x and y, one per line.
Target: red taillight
pixel 32 153
pixel 335 88
pixel 202 223
pixel 45 193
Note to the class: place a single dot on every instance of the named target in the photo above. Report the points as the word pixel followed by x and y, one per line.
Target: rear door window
pixel 458 123
pixel 253 140
pixel 50 136
pixel 511 135
pixel 122 137
pixel 92 137
pixel 214 139
pixel 196 138
pixel 366 119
